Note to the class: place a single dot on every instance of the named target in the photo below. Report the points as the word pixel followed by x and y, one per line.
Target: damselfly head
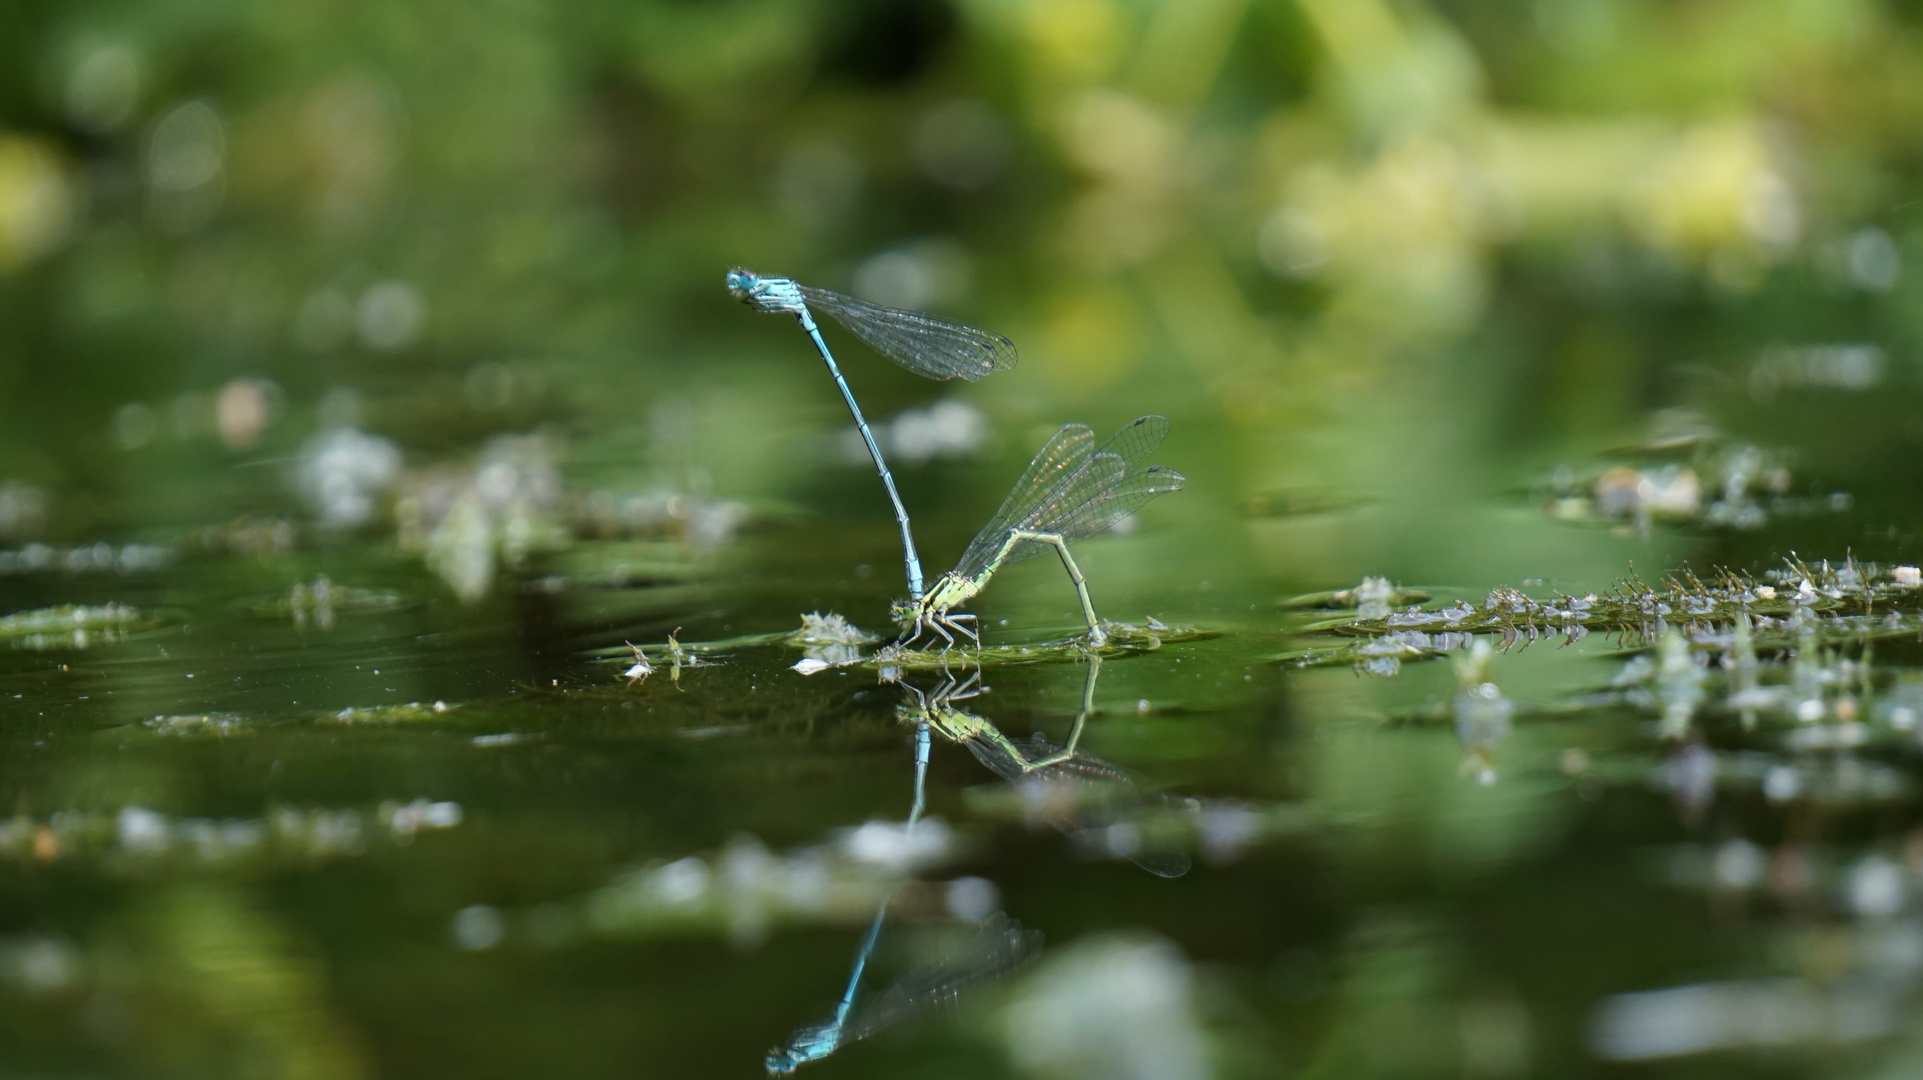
pixel 904 611
pixel 812 1043
pixel 741 284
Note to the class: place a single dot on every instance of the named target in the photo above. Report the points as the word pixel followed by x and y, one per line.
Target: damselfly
pixel 924 344
pixel 1072 489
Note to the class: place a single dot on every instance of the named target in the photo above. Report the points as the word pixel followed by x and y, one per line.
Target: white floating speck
pixel 506 738
pixel 809 665
pixel 478 927
pixel 972 898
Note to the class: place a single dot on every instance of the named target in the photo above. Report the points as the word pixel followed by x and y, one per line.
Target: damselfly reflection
pixel 963 956
pixel 1095 802
pixel 958 958
pixel 1071 490
pixel 927 345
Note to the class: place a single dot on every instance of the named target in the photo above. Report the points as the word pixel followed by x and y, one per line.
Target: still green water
pixel 305 813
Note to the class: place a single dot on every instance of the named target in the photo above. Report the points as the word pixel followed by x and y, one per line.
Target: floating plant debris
pixel 1120 639
pixel 829 629
pixel 1848 602
pixel 1728 485
pixel 641 669
pixel 817 641
pixel 214 724
pixel 319 602
pixel 691 653
pixel 505 738
pixel 414 712
pixel 744 889
pixel 72 626
pixel 829 640
pixel 87 558
pixel 135 835
pixel 1371 590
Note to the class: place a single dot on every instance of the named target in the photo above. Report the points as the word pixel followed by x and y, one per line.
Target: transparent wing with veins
pixel 1074 491
pixel 925 344
pixel 1059 459
pixel 998 947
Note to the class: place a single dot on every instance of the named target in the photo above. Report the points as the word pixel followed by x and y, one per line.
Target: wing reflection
pixel 1094 802
pixel 965 956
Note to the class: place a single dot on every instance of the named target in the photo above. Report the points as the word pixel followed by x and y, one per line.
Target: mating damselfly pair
pixel 1072 489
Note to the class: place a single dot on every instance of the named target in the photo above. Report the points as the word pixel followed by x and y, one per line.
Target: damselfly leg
pixel 1055 540
pixel 1067 752
pixel 954 622
pixel 962 691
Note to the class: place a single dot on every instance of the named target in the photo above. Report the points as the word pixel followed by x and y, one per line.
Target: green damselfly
pixel 1072 489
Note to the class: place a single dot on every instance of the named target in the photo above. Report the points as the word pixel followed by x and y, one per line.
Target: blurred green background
pixel 1357 250
pixel 317 315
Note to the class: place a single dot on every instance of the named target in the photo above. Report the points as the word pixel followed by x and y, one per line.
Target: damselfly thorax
pixel 1071 489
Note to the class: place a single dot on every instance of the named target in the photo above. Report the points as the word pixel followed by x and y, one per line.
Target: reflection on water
pixel 247 985
pixel 1795 605
pixel 1097 803
pixel 1854 952
pixel 200 976
pixel 744 890
pixel 939 972
pixel 1110 1008
pixel 1754 1014
pixel 829 640
pixel 1482 712
pixel 139 839
pixel 1800 710
pixel 1067 1026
